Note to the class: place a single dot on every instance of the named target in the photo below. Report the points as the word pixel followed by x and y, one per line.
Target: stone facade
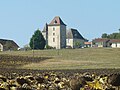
pixel 58 37
pixel 55 34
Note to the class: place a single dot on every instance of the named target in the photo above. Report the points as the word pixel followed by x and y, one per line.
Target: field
pixel 68 59
pixel 66 69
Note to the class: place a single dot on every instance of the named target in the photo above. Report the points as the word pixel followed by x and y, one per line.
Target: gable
pixel 57 21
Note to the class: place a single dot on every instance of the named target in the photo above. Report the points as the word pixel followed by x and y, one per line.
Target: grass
pixel 88 58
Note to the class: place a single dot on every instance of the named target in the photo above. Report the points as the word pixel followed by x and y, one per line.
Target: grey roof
pixel 73 33
pixel 45 28
pixel 4 41
pixel 57 21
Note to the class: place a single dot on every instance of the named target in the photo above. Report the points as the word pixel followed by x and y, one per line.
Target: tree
pixel 26 47
pixel 119 30
pixel 111 36
pixel 77 44
pixel 104 35
pixel 37 41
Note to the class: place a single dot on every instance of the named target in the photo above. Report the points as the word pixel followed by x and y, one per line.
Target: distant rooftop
pixel 57 21
pixel 3 42
pixel 100 40
pixel 73 33
pixel 45 28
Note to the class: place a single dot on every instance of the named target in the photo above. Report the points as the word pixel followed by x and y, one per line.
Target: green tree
pixel 119 30
pixel 111 36
pixel 37 41
pixel 104 35
pixel 77 44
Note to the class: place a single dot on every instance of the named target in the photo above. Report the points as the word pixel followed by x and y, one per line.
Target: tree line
pixel 111 36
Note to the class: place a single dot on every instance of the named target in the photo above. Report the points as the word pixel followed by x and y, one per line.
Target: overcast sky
pixel 20 18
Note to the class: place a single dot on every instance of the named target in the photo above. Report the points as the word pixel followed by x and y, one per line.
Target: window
pixel 53 39
pixel 53 28
pixel 53 34
pixel 55 22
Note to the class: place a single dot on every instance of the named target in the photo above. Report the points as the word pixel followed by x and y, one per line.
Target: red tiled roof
pixel 114 40
pixel 87 43
pixel 100 40
pixel 105 40
pixel 57 21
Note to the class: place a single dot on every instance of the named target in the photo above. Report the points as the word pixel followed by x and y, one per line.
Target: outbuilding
pixel 6 45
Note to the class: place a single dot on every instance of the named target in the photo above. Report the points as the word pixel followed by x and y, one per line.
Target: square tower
pixel 57 33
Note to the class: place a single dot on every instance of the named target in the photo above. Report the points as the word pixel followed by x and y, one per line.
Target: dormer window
pixel 55 22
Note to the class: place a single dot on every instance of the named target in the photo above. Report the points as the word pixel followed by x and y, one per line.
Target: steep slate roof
pixel 56 21
pixel 3 42
pixel 73 33
pixel 45 28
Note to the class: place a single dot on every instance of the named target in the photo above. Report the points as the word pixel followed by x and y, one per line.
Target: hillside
pixel 89 58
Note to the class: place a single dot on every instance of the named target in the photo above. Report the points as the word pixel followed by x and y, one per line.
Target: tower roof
pixel 56 21
pixel 45 28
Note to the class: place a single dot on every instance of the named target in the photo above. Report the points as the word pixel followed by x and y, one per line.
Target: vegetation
pixel 111 36
pixel 71 69
pixel 77 44
pixel 58 80
pixel 49 47
pixel 37 41
pixel 88 58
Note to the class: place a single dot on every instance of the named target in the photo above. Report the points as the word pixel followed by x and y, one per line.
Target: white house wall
pixel 115 45
pixel 69 42
pixel 59 35
pixel 118 45
pixel 99 44
pixel 1 47
pixel 55 44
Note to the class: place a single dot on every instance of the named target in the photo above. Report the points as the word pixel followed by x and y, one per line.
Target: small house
pixel 115 43
pixel 87 44
pixel 101 42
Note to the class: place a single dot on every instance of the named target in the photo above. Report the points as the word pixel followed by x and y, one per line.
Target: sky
pixel 19 19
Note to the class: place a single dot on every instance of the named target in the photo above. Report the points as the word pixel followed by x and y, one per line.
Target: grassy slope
pixel 90 58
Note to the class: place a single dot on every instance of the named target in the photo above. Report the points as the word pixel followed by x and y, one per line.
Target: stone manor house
pixel 57 36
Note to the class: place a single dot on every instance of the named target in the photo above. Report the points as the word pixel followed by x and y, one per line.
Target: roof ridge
pixel 57 21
